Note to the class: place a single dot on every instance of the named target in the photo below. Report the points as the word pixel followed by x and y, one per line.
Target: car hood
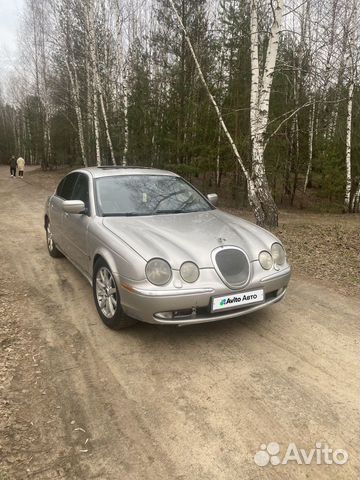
pixel 189 236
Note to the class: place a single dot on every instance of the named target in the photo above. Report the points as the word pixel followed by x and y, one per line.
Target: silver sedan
pixel 155 249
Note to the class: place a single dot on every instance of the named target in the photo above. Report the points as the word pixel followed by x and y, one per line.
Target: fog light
pixel 165 315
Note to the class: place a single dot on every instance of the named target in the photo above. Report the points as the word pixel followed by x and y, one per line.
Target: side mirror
pixel 213 198
pixel 73 206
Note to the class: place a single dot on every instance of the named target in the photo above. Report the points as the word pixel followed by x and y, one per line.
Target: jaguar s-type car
pixel 155 249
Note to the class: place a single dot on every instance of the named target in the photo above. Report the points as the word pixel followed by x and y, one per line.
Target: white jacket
pixel 20 163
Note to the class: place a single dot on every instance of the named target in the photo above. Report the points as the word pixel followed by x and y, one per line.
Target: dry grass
pixel 320 247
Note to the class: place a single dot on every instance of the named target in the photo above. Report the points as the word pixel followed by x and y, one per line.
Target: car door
pixel 75 226
pixel 56 212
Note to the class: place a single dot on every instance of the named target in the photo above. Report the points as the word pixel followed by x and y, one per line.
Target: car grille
pixel 232 265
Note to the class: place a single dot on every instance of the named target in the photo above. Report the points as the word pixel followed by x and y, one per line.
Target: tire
pixel 107 298
pixel 51 245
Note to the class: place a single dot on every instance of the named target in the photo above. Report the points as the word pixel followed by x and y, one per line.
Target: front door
pixel 63 192
pixel 76 225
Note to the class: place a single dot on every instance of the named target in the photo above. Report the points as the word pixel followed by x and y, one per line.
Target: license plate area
pixel 236 300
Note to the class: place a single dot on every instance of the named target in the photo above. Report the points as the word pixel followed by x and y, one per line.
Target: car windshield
pixel 135 195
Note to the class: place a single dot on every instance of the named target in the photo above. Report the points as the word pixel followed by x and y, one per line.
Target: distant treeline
pixel 113 82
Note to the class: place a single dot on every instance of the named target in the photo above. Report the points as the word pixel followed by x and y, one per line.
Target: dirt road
pixel 152 402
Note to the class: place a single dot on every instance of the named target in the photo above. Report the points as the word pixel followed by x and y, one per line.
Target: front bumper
pixel 192 304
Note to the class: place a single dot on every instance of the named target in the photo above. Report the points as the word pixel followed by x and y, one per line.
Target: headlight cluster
pixel 278 254
pixel 276 258
pixel 189 272
pixel 158 271
pixel 266 260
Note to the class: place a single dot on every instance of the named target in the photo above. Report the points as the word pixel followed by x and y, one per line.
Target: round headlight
pixel 189 272
pixel 266 260
pixel 278 254
pixel 158 271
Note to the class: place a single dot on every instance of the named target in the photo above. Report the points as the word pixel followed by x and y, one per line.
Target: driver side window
pixel 81 190
pixel 66 186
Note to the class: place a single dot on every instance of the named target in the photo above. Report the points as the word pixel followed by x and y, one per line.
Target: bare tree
pixel 91 48
pixel 259 194
pixel 261 83
pixel 65 35
pixel 352 54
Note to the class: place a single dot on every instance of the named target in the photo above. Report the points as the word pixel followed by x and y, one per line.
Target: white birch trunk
pixel 259 107
pixel 352 65
pixel 89 17
pixel 89 106
pixel 126 127
pixel 355 200
pixel 271 55
pixel 255 72
pixel 348 147
pixel 97 83
pixel 311 139
pixel 218 158
pixel 107 131
pixel 122 76
pixel 29 136
pixel 76 97
pixel 96 127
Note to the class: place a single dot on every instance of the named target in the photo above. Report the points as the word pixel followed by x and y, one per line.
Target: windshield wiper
pixel 159 212
pixel 129 214
pixel 156 212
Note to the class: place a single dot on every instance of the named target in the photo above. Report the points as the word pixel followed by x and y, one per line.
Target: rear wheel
pixel 51 245
pixel 107 298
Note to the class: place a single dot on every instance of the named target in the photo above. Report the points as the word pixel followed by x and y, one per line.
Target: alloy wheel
pixel 50 240
pixel 106 294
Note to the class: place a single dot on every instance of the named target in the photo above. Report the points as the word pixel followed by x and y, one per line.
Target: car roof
pixel 107 171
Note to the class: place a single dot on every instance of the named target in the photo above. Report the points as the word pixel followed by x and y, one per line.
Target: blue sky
pixel 10 11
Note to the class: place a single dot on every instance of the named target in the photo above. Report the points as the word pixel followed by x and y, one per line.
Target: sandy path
pixel 176 403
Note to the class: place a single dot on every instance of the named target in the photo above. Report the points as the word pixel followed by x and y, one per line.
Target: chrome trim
pixel 169 293
pixel 204 319
pixel 277 274
pixel 217 270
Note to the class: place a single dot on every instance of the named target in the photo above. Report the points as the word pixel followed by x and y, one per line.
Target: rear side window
pixel 66 186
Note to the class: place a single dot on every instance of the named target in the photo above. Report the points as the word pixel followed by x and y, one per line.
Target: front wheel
pixel 107 298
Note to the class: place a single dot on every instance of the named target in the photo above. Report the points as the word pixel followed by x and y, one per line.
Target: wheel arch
pixel 106 256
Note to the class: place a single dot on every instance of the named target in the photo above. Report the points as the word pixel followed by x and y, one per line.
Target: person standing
pixel 12 164
pixel 21 165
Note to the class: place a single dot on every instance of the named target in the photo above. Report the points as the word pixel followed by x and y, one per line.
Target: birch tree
pixel 261 83
pixel 93 83
pixel 260 198
pixel 352 54
pixel 67 48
